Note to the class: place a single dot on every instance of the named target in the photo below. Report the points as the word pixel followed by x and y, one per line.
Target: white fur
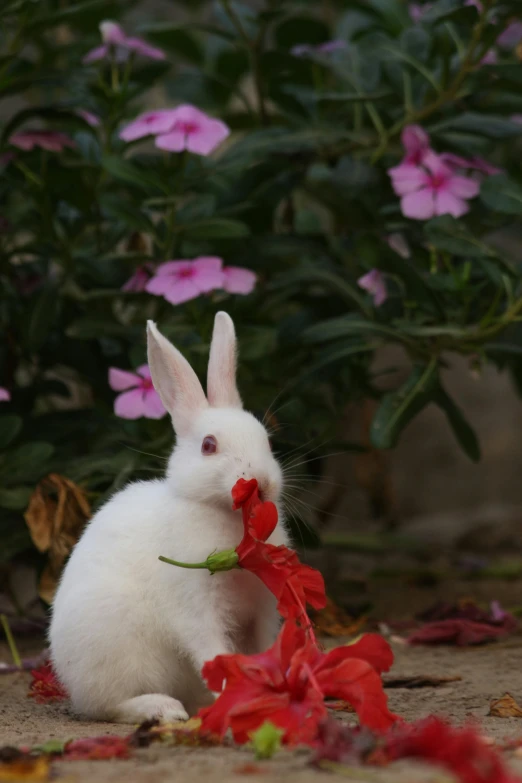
pixel 129 634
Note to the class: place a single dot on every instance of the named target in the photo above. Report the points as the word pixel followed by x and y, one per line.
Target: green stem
pixel 10 641
pixel 180 564
pixel 448 95
pixel 254 47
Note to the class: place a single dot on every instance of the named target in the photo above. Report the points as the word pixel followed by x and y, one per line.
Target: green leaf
pixel 447 233
pixel 42 318
pixel 15 499
pixel 52 747
pixel 301 30
pixel 266 740
pixel 129 214
pixel 27 462
pixel 88 12
pixel 335 354
pixel 462 430
pixel 345 326
pixel 502 194
pixel 450 11
pixel 215 228
pixel 176 38
pixel 314 274
pixel 482 124
pixel 399 407
pixel 10 426
pixel 129 172
pixel 91 328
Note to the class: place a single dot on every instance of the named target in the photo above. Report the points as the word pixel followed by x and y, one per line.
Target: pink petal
pixel 140 46
pixel 98 53
pixel 90 118
pixel 210 136
pixel 173 268
pixel 182 290
pixel 463 187
pixel 436 165
pixel 172 142
pixel 138 281
pixel 159 285
pixel 144 371
pixel 399 245
pixel 374 283
pixel 511 36
pixel 448 204
pixel 130 404
pixel 414 138
pixel 208 273
pixel 239 280
pixel 112 33
pixel 153 407
pixel 419 205
pixel 4 395
pixel 407 178
pixel 150 123
pixel 120 379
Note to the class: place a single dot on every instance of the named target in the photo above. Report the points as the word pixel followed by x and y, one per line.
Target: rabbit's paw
pixel 150 706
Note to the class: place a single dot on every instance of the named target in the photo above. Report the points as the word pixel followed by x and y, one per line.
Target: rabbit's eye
pixel 209 445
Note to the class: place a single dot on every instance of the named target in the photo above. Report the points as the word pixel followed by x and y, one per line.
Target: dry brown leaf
pixel 505 707
pixel 27 769
pixel 56 516
pixel 333 621
pixel 339 705
pixel 248 769
pixel 418 681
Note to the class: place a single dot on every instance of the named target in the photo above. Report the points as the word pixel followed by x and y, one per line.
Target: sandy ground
pixel 487 672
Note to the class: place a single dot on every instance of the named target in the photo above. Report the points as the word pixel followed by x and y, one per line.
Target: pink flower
pixel 5 396
pixel 416 142
pixel 374 283
pixel 490 58
pixel 53 141
pixel 417 11
pixel 90 118
pixel 140 278
pixel 239 280
pixel 139 396
pixel 303 50
pixel 511 36
pixel 478 164
pixel 180 281
pixel 432 189
pixel 399 245
pixel 151 123
pixel 117 45
pixel 193 130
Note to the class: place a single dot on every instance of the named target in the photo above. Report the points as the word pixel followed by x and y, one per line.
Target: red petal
pixel 244 492
pixel 263 520
pixel 371 648
pixel 358 683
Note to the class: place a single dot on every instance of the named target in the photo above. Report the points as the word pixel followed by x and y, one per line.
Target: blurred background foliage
pixel 299 194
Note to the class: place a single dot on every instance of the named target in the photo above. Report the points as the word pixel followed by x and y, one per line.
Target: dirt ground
pixel 487 672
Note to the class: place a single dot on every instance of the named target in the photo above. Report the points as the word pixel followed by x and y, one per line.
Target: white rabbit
pixel 129 634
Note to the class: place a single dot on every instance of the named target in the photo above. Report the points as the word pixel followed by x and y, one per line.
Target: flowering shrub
pixel 334 177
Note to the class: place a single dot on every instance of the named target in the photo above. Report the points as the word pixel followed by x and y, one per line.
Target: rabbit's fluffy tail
pixel 147 707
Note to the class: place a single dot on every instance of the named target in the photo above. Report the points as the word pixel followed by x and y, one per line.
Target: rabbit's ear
pixel 175 381
pixel 221 378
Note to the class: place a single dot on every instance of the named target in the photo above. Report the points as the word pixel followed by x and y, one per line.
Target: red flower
pixel 97 749
pixel 460 750
pixel 288 683
pixel 293 584
pixel 45 686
